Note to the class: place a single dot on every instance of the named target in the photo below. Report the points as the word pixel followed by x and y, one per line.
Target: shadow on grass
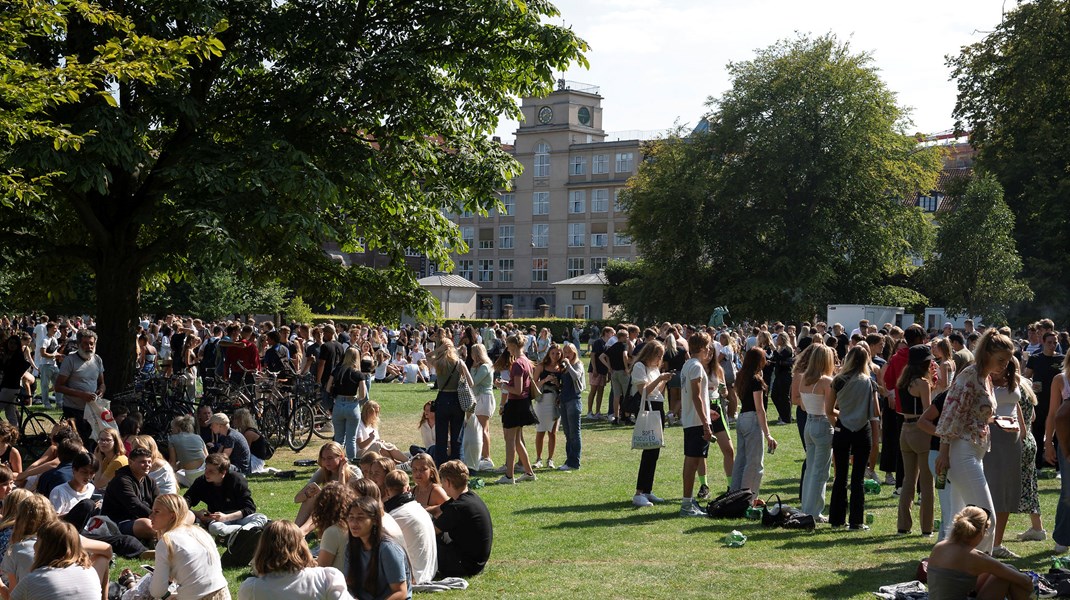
pixel 868 579
pixel 611 506
pixel 629 516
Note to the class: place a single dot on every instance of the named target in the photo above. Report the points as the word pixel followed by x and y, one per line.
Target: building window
pixel 540 270
pixel 468 236
pixel 506 233
pixel 576 233
pixel 622 239
pixel 575 267
pixel 542 160
pixel 508 204
pixel 598 263
pixel 599 240
pixel 600 164
pixel 929 203
pixel 625 162
pixel 505 269
pixel 540 203
pixel 600 201
pixel 577 202
pixel 465 214
pixel 486 269
pixel 540 235
pixel 577 165
pixel 464 269
pixel 616 200
pixel 579 294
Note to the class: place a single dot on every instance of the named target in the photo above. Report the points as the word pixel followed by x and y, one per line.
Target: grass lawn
pixel 577 534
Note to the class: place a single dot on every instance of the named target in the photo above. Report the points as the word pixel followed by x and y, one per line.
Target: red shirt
pixel 248 355
pixel 895 367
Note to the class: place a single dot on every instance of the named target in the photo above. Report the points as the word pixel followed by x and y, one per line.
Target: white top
pixel 689 415
pixel 427 434
pixel 335 540
pixel 1007 401
pixel 411 372
pixel 643 375
pixel 393 530
pixel 194 566
pixel 19 558
pixel 419 534
pixel 165 479
pixel 380 370
pixel 814 404
pixel 312 583
pixel 69 582
pixel 63 497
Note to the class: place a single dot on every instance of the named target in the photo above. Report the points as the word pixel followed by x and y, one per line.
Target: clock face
pixel 584 115
pixel 546 114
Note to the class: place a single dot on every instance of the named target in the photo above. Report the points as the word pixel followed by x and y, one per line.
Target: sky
pixel 658 61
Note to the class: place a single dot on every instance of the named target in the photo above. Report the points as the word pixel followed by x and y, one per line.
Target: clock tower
pixel 571 114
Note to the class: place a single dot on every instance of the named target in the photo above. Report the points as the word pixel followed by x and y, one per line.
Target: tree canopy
pixel 260 131
pixel 1014 94
pixel 791 195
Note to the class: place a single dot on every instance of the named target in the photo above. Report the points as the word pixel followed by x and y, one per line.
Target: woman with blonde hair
pixel 187 450
pixel 284 568
pixel 60 569
pixel 963 427
pixel 30 515
pixel 945 365
pixel 368 439
pixel 957 569
pixel 817 436
pixel 244 422
pixel 161 471
pixel 449 418
pixel 571 402
pixel 11 506
pixel 483 391
pixel 349 386
pixel 185 554
pixel 648 379
pixel 333 466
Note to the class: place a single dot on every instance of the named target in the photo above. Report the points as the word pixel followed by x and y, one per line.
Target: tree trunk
pixel 118 296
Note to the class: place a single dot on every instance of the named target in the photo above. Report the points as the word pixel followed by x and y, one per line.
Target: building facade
pixel 561 218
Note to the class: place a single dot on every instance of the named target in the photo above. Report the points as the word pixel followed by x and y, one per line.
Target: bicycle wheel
pixel 34 435
pixel 300 426
pixel 271 425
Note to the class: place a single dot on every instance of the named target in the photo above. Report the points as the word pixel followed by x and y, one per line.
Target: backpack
pixel 208 359
pixel 241 545
pixel 262 447
pixel 730 505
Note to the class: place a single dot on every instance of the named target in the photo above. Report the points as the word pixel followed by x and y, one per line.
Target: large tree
pixel 297 123
pixel 1014 99
pixel 975 268
pixel 790 196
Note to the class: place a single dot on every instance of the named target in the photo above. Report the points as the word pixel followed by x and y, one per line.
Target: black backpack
pixel 208 360
pixel 262 447
pixel 241 545
pixel 730 505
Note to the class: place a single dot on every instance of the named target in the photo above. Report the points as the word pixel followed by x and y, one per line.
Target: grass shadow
pixel 636 516
pixel 869 579
pixel 615 505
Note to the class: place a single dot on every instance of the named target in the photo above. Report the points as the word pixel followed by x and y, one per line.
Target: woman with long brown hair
pixel 516 411
pixel 648 379
pixel 752 427
pixel 378 567
pixel 449 418
pixel 284 568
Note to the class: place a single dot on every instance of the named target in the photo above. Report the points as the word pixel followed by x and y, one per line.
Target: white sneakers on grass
pixel 1033 535
pixel 643 500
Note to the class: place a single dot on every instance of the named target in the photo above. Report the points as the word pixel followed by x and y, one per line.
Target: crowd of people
pixel 959 417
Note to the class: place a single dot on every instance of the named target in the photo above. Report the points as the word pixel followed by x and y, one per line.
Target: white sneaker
pixel 590 417
pixel 1033 535
pixel 692 510
pixel 527 477
pixel 549 463
pixel 641 501
pixel 537 464
pixel 654 499
pixel 565 468
pixel 505 479
pixel 1002 552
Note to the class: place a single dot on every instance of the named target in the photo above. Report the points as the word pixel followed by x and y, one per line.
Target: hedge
pixel 555 324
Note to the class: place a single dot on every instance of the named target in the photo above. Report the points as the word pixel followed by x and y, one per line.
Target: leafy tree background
pixel 788 198
pixel 258 132
pixel 1014 90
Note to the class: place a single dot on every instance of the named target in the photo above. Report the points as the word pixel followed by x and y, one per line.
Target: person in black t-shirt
pixel 466 520
pixel 615 358
pixel 328 358
pixel 599 374
pixel 1042 368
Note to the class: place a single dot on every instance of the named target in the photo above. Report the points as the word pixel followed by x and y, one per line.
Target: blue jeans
pixel 1061 533
pixel 49 373
pixel 570 422
pixel 449 418
pixel 346 418
pixel 749 466
pixel 818 459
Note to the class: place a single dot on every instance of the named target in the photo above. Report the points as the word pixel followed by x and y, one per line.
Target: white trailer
pixel 849 315
pixel 936 317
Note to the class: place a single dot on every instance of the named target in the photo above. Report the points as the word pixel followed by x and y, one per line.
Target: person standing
pixel 695 415
pixel 648 379
pixel 616 359
pixel 81 380
pixel 516 412
pixel 752 427
pixel 328 357
pixel 45 353
pixel 572 384
pixel 783 359
pixel 1042 367
pixel 1055 450
pixel 851 403
pixel 599 374
pixel 449 418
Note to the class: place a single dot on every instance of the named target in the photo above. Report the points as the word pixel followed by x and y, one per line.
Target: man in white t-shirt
pixel 417 528
pixel 695 419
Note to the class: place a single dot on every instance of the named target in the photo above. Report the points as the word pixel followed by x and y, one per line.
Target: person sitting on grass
pixel 957 569
pixel 426 490
pixel 377 565
pixel 417 529
pixel 66 450
pixel 7 483
pixel 29 476
pixel 161 472
pixel 187 450
pixel 10 456
pixel 367 435
pixel 329 519
pixel 464 518
pixel 332 467
pixel 226 494
pixel 284 568
pixel 185 554
pixel 72 500
pixel 232 444
pixel 61 568
pixel 128 498
pixel 111 454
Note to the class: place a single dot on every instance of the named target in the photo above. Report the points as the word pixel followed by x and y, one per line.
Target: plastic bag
pixel 99 416
pixel 472 442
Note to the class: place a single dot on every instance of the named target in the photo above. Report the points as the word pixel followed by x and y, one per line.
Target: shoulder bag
pixel 464 393
pixel 648 433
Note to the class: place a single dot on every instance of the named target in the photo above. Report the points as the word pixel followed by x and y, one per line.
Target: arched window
pixel 542 159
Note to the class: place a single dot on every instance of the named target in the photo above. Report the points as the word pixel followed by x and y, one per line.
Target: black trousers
pixel 800 420
pixel 891 459
pixel 452 564
pixel 648 462
pixel 849 445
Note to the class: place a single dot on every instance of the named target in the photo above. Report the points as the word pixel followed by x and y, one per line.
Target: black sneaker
pixel 703 492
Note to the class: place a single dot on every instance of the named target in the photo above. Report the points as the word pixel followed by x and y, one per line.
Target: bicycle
pixel 35 429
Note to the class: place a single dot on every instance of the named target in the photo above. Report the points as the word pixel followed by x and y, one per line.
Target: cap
pixel 920 354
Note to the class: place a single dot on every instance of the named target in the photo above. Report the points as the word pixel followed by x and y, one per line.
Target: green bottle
pixel 734 539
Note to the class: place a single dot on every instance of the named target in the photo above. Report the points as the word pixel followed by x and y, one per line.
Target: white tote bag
pixel 648 433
